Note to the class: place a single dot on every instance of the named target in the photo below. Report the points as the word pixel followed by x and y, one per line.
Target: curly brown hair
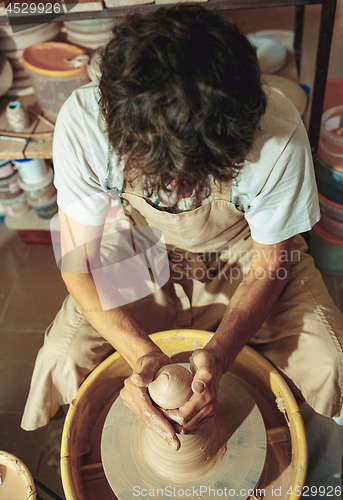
pixel 181 96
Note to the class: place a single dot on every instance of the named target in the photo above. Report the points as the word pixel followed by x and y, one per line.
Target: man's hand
pixel 202 405
pixel 136 397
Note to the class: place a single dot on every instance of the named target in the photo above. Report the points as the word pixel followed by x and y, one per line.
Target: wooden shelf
pixel 13 150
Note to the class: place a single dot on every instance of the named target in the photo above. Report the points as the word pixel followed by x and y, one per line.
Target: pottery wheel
pixel 239 471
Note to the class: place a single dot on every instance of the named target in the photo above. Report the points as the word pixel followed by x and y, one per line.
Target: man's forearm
pixel 245 314
pixel 116 325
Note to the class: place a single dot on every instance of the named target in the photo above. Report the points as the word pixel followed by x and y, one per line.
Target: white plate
pixel 289 89
pixel 285 37
pixel 272 55
pixel 23 39
pixel 13 92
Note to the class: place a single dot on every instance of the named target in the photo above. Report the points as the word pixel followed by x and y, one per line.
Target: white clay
pixel 199 453
pixel 171 387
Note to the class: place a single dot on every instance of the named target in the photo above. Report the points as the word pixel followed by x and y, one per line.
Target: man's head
pixel 181 96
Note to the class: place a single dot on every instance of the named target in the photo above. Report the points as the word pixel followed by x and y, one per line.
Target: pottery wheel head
pixel 171 387
pixel 240 467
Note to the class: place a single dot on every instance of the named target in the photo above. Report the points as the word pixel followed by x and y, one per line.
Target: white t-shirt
pixel 276 187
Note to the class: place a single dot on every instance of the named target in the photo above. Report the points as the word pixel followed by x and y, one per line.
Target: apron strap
pixel 109 172
pixel 220 190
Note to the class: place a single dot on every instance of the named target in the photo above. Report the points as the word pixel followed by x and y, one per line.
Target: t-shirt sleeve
pixel 288 201
pixel 79 191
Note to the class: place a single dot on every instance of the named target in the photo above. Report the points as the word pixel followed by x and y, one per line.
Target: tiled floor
pixel 31 292
pixel 31 289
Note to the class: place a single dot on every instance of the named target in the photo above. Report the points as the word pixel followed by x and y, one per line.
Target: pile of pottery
pixel 327 235
pixel 36 180
pixel 271 48
pixel 275 54
pixel 12 198
pixel 24 184
pixel 90 33
pixel 12 46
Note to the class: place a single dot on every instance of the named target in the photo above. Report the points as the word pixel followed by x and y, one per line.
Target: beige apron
pixel 210 250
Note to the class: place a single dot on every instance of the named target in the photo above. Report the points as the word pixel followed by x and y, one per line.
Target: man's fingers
pixel 196 416
pixel 198 385
pixel 192 414
pixel 202 367
pixel 202 380
pixel 138 402
pixel 198 407
pixel 138 380
pixel 155 421
pixel 193 426
pixel 202 405
pixel 146 367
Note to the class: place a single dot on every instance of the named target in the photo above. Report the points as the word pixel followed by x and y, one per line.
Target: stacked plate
pixel 275 55
pixel 90 33
pixel 271 54
pixel 12 198
pixel 332 216
pixel 289 88
pixel 326 237
pixel 330 148
pixel 12 46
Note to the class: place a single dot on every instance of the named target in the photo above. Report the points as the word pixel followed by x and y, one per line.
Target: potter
pixel 181 128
